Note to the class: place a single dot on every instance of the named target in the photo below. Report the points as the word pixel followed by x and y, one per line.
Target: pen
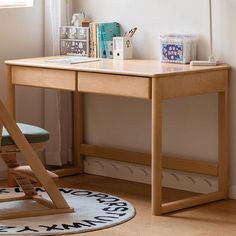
pixel 132 32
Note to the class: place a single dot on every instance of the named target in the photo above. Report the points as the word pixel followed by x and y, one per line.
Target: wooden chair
pixel 25 138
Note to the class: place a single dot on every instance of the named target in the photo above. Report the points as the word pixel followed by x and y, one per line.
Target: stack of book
pixel 101 38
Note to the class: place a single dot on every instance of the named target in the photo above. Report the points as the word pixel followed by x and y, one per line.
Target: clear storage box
pixel 178 48
pixel 74 40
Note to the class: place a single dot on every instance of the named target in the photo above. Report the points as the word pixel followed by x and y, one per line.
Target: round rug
pixel 93 211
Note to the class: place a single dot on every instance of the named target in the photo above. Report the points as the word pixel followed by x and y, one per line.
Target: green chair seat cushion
pixel 32 133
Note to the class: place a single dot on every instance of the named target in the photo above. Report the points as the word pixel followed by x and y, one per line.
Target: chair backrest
pixel 8 122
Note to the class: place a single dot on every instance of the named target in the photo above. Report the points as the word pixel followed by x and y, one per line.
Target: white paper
pixel 71 60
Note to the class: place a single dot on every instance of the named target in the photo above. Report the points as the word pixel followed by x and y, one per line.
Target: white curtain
pixel 57 104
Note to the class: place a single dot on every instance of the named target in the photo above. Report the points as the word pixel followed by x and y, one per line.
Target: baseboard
pixel 139 173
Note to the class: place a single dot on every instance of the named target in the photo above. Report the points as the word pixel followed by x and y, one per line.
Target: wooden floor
pixel 216 219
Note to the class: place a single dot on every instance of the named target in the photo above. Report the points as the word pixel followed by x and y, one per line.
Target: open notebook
pixel 71 59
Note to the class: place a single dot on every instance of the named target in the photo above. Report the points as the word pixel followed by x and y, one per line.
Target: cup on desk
pixel 122 48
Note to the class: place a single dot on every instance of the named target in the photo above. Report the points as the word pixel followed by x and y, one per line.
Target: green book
pixel 106 32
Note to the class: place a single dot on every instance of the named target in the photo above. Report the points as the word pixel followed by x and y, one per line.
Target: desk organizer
pixel 122 48
pixel 74 40
pixel 178 48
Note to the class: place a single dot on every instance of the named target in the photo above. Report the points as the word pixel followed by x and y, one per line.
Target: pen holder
pixel 122 48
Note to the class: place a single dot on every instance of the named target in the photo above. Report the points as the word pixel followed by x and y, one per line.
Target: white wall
pixel 21 37
pixel 190 124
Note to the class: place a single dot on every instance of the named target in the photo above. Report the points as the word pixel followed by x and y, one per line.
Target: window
pixel 16 3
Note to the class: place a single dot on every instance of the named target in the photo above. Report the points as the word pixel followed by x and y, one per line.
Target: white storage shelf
pixel 74 40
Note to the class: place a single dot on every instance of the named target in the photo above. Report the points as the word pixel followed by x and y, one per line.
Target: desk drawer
pixel 120 85
pixel 45 78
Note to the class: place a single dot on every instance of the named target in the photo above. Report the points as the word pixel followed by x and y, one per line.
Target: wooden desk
pixel 144 79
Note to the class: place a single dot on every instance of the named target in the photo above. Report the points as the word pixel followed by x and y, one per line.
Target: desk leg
pixel 10 104
pixel 223 142
pixel 10 92
pixel 78 131
pixel 156 146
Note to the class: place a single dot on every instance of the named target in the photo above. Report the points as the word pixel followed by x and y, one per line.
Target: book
pixel 95 25
pixel 101 46
pixel 101 38
pixel 106 32
pixel 91 41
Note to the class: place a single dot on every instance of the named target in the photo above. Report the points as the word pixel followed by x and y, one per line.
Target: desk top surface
pixel 148 68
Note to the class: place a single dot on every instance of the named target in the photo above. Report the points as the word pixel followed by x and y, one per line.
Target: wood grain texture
pixel 147 79
pixel 146 68
pixel 169 162
pixel 192 201
pixel 194 84
pixel 10 91
pixel 13 197
pixel 119 85
pixel 10 150
pixel 43 201
pixel 217 218
pixel 156 154
pixel 10 104
pixel 34 162
pixel 26 171
pixel 45 78
pixel 72 170
pixel 77 131
pixel 23 214
pixel 223 140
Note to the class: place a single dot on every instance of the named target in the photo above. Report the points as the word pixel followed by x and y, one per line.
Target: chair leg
pixel 26 185
pixel 10 160
pixel 11 180
pixel 15 180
